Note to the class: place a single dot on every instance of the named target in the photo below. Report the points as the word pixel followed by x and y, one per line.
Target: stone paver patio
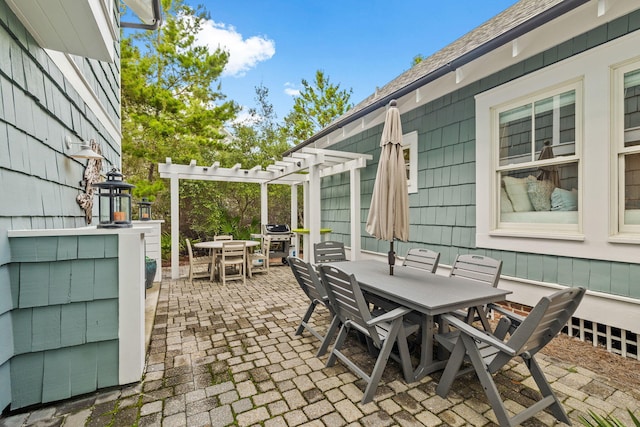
pixel 228 355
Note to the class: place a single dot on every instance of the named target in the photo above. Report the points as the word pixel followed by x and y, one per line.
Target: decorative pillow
pixel 517 191
pixel 505 203
pixel 564 200
pixel 540 194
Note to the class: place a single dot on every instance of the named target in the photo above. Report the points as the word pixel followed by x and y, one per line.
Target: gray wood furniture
pixel 422 258
pixel 482 269
pixel 429 294
pixel 311 285
pixel 328 251
pixel 198 266
pixel 488 353
pixel 384 331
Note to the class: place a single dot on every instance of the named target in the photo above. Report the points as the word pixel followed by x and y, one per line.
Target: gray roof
pixel 515 21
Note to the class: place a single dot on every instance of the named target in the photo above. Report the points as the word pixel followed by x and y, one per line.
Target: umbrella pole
pixel 392 258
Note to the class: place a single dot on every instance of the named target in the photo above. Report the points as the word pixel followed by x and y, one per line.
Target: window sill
pixel 629 239
pixel 558 235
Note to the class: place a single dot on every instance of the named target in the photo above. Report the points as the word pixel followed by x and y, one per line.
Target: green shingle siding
pixel 446 177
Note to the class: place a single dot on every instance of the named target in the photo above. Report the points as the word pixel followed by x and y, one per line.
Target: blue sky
pixel 358 44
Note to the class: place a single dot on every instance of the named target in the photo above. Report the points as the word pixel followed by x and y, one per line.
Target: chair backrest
pixel 543 323
pixel 477 267
pixel 422 258
pixel 223 237
pixel 329 252
pixel 347 300
pixel 308 279
pixel 232 249
pixel 189 250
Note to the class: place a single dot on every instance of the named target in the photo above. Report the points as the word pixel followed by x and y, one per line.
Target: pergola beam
pixel 307 166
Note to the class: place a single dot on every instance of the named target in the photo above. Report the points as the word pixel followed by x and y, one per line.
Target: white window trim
pixel 536 230
pixel 593 67
pixel 410 142
pixel 619 231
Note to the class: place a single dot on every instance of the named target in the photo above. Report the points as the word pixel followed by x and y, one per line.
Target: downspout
pixel 535 22
pixel 157 19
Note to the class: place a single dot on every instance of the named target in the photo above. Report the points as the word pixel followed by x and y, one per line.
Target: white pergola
pixel 305 167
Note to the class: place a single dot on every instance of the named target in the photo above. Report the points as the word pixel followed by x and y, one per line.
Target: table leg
pixel 427 364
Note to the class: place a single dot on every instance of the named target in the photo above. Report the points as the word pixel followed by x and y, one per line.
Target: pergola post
pixel 175 227
pixel 294 217
pixel 354 187
pixel 314 212
pixel 264 204
pixel 306 220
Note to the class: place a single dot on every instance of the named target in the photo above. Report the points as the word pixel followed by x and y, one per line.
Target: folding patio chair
pixel 488 353
pixel 196 263
pixel 311 285
pixel 424 259
pixel 384 331
pixel 482 269
pixel 329 252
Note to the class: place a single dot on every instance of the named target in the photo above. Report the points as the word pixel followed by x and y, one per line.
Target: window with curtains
pixel 537 161
pixel 626 120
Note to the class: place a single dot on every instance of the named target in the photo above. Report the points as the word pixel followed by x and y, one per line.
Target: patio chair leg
pixel 451 370
pixel 546 391
pixel 306 318
pixel 486 380
pixel 381 362
pixel 329 335
pixel 344 330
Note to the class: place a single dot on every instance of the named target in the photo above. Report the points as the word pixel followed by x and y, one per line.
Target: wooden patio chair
pixel 488 353
pixel 329 252
pixel 259 259
pixel 232 256
pixel 423 259
pixel 223 237
pixel 311 285
pixel 481 269
pixel 196 263
pixel 384 331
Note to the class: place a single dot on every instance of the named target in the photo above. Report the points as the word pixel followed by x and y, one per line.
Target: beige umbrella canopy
pixel 389 212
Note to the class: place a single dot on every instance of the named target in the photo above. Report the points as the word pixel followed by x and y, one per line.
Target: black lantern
pixel 114 197
pixel 144 209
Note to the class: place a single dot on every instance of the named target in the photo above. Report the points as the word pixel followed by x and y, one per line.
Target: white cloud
pixel 290 89
pixel 244 54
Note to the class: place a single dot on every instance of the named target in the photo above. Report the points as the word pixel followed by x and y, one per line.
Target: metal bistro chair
pixel 195 272
pixel 423 259
pixel 232 255
pixel 384 331
pixel 311 285
pixel 488 353
pixel 329 252
pixel 481 269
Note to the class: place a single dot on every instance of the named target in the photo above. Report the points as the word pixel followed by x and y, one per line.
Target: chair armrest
pixel 389 315
pixel 478 335
pixel 516 319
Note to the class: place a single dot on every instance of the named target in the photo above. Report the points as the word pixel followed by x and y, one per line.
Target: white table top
pixel 217 244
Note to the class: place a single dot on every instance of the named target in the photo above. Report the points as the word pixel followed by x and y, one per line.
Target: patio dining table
pixel 426 293
pixel 216 245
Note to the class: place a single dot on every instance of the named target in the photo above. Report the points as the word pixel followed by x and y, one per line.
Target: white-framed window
pixel 626 146
pixel 536 143
pixel 410 151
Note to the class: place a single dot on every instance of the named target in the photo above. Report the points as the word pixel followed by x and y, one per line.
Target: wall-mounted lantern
pixel 144 209
pixel 114 198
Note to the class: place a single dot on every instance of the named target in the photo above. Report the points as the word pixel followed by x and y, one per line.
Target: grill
pixel 280 235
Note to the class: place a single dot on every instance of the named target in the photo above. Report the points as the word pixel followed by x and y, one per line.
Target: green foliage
pixel 418 59
pixel 608 421
pixel 316 107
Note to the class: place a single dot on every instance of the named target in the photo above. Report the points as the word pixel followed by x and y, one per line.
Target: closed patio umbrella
pixel 389 212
